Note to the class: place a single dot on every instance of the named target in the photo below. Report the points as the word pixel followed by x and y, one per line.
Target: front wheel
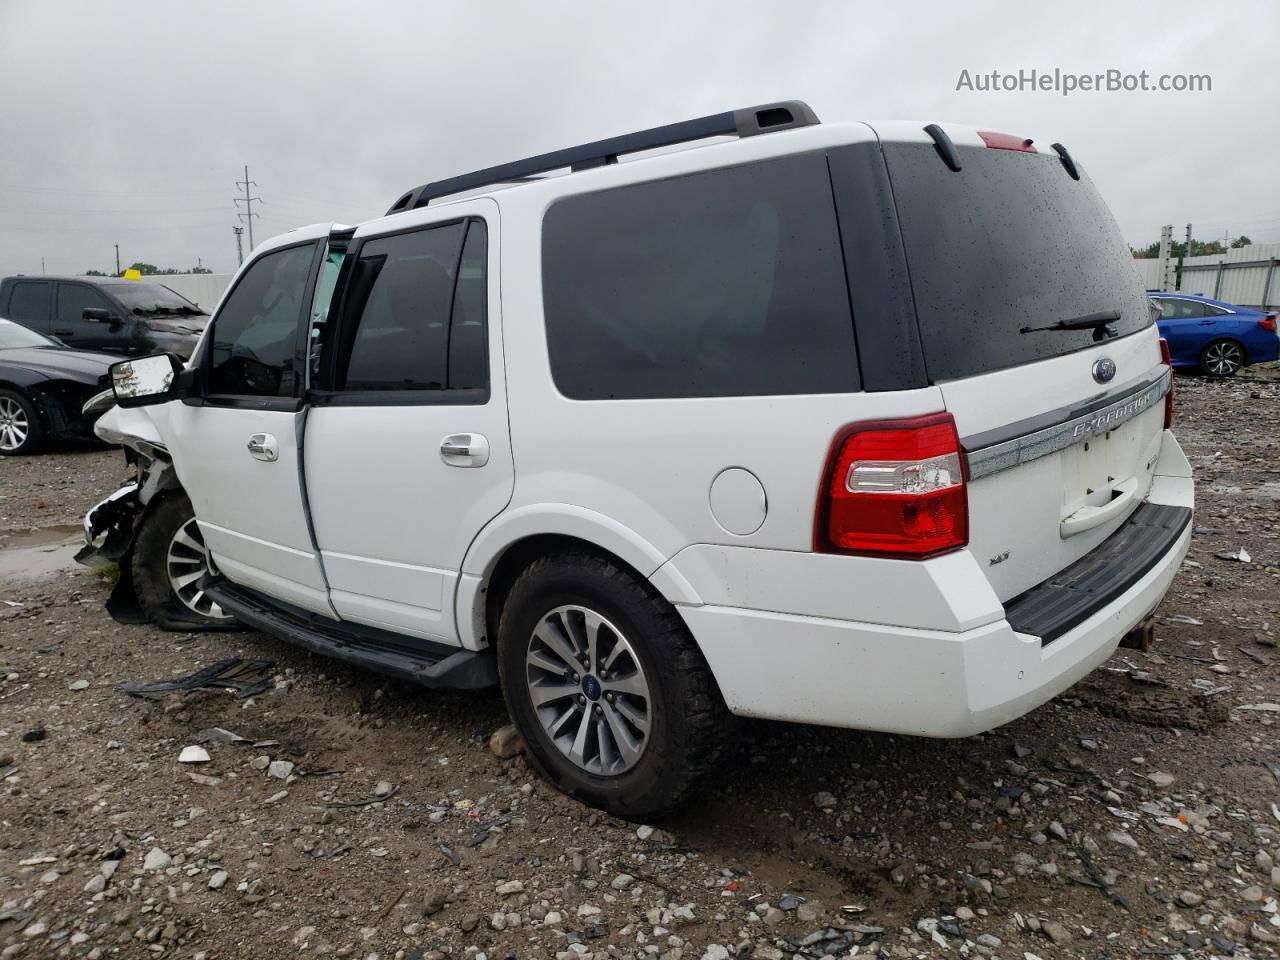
pixel 1221 358
pixel 614 700
pixel 169 561
pixel 19 424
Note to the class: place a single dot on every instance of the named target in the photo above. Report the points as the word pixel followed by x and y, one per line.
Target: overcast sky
pixel 130 122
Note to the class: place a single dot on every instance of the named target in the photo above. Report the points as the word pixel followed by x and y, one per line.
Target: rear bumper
pixel 940 683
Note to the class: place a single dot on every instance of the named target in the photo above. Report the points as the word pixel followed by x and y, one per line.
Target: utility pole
pixel 42 266
pixel 117 259
pixel 247 200
pixel 239 232
pixel 1168 278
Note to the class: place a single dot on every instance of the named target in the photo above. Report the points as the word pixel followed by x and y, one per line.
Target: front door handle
pixel 263 446
pixel 464 450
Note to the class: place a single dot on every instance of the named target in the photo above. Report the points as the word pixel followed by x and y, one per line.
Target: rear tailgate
pixel 1062 425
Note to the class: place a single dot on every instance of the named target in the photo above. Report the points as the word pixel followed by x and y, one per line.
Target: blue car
pixel 1213 337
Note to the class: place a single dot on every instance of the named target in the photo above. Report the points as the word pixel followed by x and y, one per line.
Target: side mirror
pixel 99 315
pixel 146 380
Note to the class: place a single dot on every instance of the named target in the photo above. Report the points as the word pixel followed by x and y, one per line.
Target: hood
pixel 81 365
pixel 173 323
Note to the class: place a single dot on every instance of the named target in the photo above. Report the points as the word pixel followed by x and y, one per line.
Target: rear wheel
pixel 169 560
pixel 20 430
pixel 1222 358
pixel 612 696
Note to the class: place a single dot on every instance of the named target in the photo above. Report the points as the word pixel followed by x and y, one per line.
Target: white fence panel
pixel 205 289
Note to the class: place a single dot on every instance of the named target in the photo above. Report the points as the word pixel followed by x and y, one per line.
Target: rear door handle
pixel 263 446
pixel 464 450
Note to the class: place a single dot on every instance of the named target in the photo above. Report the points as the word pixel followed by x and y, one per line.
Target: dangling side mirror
pixel 146 380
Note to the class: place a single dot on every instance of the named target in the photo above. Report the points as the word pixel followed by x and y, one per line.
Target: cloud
pixel 129 123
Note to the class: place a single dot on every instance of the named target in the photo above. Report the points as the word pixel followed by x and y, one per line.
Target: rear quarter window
pixel 716 284
pixel 1009 241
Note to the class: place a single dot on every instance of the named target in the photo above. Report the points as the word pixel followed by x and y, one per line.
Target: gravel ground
pixel 1135 815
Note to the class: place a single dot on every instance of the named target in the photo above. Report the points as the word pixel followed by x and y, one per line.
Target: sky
pixel 130 122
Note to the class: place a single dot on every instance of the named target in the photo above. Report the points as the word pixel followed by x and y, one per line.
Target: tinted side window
pixel 419 300
pixel 717 284
pixel 1167 308
pixel 29 303
pixel 255 333
pixel 73 298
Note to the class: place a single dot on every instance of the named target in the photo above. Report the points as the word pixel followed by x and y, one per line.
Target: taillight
pixel 1167 359
pixel 894 488
pixel 1268 323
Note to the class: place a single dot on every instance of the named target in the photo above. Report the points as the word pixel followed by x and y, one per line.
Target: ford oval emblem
pixel 1104 370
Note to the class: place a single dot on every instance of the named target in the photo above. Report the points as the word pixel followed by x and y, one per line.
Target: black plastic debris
pixel 244 678
pixel 833 941
pixel 34 735
pixel 951 927
pixel 790 902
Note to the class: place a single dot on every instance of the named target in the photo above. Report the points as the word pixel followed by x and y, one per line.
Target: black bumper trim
pixel 420 661
pixel 1071 596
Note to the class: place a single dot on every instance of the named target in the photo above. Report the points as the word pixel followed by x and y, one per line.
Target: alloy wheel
pixel 1223 358
pixel 14 425
pixel 186 562
pixel 589 690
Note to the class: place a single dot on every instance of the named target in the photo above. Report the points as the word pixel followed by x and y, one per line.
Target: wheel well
pixel 517 558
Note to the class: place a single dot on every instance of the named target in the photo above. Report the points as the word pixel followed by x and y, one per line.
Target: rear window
pixel 1010 241
pixel 718 284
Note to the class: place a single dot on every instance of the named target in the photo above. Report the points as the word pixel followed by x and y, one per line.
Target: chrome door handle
pixel 263 446
pixel 464 450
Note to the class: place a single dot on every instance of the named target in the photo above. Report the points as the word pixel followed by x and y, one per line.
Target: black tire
pixel 34 428
pixel 157 597
pixel 1222 358
pixel 687 717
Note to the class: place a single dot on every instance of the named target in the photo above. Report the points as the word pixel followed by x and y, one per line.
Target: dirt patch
pixel 1073 832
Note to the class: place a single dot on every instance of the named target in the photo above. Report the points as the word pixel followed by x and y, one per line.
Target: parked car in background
pixel 43 388
pixel 1213 337
pixel 728 430
pixel 130 317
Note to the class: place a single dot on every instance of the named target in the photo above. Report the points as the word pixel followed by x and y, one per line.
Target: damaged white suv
pixel 831 423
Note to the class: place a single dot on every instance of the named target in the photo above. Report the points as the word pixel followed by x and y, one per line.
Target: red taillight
pixel 1006 141
pixel 1268 323
pixel 894 488
pixel 1167 359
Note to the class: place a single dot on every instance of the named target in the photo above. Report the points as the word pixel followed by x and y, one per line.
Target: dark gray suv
pixel 129 317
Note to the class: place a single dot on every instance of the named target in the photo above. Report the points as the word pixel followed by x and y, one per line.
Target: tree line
pixel 148 270
pixel 1199 248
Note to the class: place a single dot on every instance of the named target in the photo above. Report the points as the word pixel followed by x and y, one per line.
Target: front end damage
pixel 111 526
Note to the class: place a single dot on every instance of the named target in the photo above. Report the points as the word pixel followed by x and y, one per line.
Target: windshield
pixel 153 299
pixel 14 335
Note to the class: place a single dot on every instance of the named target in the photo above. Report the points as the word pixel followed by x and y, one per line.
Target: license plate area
pixel 1103 467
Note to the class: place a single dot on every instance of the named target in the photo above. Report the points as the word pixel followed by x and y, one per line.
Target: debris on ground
pixel 244 678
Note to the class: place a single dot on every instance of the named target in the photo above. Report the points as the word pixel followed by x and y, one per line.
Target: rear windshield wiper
pixel 1099 323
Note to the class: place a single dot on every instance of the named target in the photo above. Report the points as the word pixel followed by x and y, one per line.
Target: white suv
pixel 832 423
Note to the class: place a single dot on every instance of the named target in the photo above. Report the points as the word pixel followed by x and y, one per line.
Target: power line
pixel 247 200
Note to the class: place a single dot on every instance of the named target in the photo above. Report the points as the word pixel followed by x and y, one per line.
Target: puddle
pixel 38 553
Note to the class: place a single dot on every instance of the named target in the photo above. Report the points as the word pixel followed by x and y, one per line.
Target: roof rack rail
pixel 747 122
